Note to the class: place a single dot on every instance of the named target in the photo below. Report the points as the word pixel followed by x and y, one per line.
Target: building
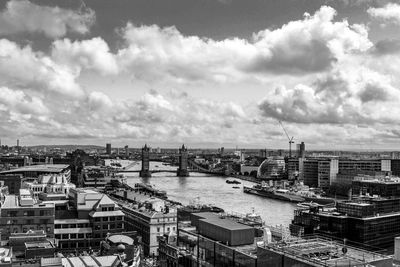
pixel 50 184
pixel 22 213
pixel 318 251
pixel 151 217
pixel 383 186
pixel 32 244
pixel 108 149
pixel 372 223
pixel 13 182
pixel 272 169
pixel 35 171
pixel 126 151
pixel 90 216
pixel 145 171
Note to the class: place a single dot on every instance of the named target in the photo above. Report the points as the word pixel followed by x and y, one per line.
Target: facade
pixel 90 217
pixel 35 171
pixel 150 217
pixel 383 186
pixel 309 175
pixel 369 223
pixel 13 182
pixel 272 169
pixel 22 213
pixel 327 171
pixel 50 183
pixel 108 148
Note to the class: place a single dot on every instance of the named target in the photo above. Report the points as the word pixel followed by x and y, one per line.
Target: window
pixel 65 236
pixel 167 229
pixel 97 227
pixel 58 236
pixel 48 229
pixel 97 236
pixel 81 235
pixel 105 226
pixel 111 209
pixel 119 225
pixel 81 225
pixel 105 219
pixel 28 221
pixel 158 229
pixel 112 226
pixel 96 219
pixel 57 226
pixel 72 236
pixel 64 226
pixel 104 209
pixel 119 218
pixel 112 218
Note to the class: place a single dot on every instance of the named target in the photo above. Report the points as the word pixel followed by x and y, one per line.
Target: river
pixel 213 190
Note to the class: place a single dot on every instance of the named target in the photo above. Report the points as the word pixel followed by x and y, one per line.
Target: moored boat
pixel 270 192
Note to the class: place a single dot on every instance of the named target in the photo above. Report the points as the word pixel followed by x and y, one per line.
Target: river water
pixel 213 190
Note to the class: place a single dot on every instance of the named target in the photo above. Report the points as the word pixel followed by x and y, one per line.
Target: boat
pixel 232 182
pixel 236 187
pixel 311 196
pixel 271 192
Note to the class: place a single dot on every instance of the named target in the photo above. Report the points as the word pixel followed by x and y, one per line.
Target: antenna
pixel 290 139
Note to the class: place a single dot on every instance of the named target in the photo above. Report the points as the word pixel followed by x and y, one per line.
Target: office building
pixel 108 148
pixel 22 213
pixel 90 216
pixel 151 217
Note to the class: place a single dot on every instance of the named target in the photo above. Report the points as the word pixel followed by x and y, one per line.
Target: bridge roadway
pixel 170 171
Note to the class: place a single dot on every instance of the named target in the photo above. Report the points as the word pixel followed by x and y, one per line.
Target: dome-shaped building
pixel 271 168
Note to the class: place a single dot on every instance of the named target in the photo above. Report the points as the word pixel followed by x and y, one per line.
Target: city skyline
pixel 205 73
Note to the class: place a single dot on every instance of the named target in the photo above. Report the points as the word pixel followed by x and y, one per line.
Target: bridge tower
pixel 145 171
pixel 183 162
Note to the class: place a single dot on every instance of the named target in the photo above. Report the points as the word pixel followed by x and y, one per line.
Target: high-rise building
pixel 108 148
pixel 145 171
pixel 126 151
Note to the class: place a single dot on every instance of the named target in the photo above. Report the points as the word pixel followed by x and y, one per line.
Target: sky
pixel 207 73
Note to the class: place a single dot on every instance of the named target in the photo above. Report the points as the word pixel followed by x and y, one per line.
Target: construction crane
pixel 290 139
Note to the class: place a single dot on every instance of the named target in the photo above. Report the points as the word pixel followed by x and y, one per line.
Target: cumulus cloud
pixel 16 101
pixel 89 54
pixel 21 66
pixel 340 97
pixel 309 45
pixel 390 13
pixel 24 16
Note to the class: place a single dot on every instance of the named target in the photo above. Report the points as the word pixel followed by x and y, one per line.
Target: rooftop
pixel 45 168
pixel 317 251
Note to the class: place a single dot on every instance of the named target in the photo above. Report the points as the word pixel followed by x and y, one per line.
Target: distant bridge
pixel 193 167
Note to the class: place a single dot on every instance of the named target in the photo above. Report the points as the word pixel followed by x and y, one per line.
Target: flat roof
pixel 317 250
pixel 221 221
pixel 12 201
pixel 49 168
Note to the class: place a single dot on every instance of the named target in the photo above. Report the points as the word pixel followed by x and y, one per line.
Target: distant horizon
pixel 206 148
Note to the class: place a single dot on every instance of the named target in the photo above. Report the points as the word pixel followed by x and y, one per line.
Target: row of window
pixel 107 219
pixel 108 226
pixel 73 236
pixel 72 225
pixel 25 229
pixel 159 229
pixel 15 213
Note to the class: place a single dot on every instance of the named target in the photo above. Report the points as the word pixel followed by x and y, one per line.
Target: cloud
pixel 89 54
pixel 390 13
pixel 22 67
pixel 313 44
pixel 16 101
pixel 23 16
pixel 340 97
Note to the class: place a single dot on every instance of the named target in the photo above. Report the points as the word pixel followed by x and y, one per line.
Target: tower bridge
pixel 185 166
